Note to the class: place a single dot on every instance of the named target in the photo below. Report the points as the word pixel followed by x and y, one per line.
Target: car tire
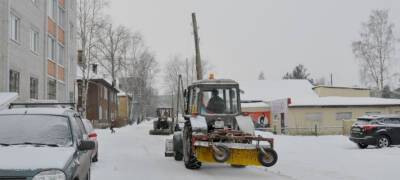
pixel 362 146
pixel 95 158
pixel 383 141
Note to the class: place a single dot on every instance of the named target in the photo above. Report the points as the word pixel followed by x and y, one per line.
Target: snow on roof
pixel 267 90
pixel 7 98
pixel 255 105
pixel 302 94
pixel 45 111
pixel 343 101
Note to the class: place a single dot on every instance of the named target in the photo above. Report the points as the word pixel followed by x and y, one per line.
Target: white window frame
pixel 61 54
pixel 344 115
pixel 34 41
pixel 51 48
pixel 315 116
pixel 15 27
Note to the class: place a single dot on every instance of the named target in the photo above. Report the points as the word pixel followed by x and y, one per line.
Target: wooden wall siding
pixel 61 73
pixel 62 3
pixel 51 27
pixel 51 68
pixel 60 35
pixel 92 106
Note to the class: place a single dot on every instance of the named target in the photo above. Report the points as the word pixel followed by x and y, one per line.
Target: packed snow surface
pixel 131 153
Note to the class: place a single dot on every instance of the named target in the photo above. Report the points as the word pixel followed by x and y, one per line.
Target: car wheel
pixel 383 141
pixel 95 158
pixel 362 146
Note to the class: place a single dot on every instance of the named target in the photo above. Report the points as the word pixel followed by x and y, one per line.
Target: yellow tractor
pixel 215 131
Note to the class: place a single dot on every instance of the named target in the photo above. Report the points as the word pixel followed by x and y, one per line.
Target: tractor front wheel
pixel 189 158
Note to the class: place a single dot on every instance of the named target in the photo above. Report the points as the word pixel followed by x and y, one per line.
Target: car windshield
pixel 219 101
pixel 35 129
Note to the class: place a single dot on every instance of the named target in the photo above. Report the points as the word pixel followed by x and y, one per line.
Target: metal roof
pixel 215 82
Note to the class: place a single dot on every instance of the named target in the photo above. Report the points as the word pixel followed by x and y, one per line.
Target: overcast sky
pixel 241 38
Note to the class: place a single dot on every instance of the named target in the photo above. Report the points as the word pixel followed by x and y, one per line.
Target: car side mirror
pixel 86 145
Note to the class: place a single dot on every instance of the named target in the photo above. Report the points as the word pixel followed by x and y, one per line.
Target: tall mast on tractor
pixel 199 70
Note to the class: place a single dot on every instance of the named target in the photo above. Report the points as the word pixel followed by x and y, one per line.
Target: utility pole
pixel 187 72
pixel 331 79
pixel 199 70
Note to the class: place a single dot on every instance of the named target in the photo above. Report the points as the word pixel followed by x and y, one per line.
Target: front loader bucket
pixel 160 132
pixel 242 154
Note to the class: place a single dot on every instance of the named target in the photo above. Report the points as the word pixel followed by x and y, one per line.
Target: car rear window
pixel 363 121
pixel 40 129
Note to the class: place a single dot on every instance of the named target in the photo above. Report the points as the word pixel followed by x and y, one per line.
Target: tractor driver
pixel 215 104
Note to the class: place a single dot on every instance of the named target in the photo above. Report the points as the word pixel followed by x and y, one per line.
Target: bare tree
pixel 139 73
pixel 90 21
pixel 375 48
pixel 113 44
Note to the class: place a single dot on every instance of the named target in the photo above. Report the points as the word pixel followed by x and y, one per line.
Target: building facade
pixel 38 49
pixel 124 109
pixel 102 102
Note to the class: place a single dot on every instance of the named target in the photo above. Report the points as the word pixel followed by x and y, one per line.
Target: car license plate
pixel 356 130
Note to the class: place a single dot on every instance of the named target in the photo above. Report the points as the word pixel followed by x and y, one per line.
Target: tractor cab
pixel 215 100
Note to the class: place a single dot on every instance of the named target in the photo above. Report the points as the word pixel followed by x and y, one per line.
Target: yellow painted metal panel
pixel 248 157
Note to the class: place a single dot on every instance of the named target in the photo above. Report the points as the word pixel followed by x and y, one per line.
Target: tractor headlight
pixel 50 175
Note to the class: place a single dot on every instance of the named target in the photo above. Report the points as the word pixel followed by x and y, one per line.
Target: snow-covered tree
pixel 375 49
pixel 261 76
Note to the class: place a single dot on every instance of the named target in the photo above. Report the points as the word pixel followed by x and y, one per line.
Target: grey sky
pixel 243 37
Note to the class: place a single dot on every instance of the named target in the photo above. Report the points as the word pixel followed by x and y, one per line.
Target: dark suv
pixel 43 144
pixel 377 130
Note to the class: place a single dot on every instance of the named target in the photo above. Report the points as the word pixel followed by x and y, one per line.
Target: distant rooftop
pixel 267 90
pixel 341 87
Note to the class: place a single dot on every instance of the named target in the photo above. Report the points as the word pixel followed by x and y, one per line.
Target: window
pixel 71 31
pixel 61 91
pixel 52 9
pixel 34 41
pixel 392 121
pixel 61 17
pixel 219 101
pixel 100 113
pixel 52 89
pixel 372 113
pixel 14 81
pixel 60 54
pixel 51 51
pixel 34 85
pixel 14 27
pixel 344 115
pixel 105 93
pixel 314 116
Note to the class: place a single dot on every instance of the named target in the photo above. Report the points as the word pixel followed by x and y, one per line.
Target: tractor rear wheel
pixel 189 158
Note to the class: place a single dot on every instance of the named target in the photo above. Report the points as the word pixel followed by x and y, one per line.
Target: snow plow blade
pixel 239 154
pixel 160 132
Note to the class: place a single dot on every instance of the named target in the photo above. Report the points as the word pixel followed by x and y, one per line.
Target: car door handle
pixel 77 162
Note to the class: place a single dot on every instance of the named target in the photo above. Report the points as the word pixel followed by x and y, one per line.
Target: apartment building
pixel 38 49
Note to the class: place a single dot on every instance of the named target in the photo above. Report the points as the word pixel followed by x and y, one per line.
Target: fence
pixel 315 130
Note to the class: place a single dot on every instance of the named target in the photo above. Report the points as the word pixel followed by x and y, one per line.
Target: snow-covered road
pixel 133 154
